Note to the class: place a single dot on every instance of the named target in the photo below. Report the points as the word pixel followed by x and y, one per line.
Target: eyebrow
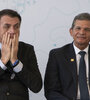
pixel 17 24
pixel 14 24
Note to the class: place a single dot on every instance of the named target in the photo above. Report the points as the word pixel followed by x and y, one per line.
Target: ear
pixel 71 31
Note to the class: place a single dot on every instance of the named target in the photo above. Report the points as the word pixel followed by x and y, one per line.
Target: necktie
pixel 84 94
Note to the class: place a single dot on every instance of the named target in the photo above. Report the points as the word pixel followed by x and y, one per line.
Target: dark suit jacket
pixel 61 74
pixel 29 77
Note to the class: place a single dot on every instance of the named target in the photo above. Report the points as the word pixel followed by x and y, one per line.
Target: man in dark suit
pixel 62 72
pixel 18 65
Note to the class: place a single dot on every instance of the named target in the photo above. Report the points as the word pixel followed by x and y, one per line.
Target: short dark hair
pixel 11 13
pixel 81 16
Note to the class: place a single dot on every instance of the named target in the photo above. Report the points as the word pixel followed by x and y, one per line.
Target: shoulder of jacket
pixel 61 49
pixel 23 44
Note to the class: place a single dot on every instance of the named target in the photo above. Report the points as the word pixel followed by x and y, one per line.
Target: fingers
pixel 6 39
pixel 14 48
pixel 6 48
pixel 9 47
pixel 15 40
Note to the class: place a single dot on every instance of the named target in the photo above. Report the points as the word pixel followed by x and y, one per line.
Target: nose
pixel 82 31
pixel 11 31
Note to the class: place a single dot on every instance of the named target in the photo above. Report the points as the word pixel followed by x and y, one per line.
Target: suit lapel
pixel 89 63
pixel 71 57
pixel 0 53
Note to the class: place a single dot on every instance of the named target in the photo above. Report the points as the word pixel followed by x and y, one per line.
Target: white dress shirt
pixel 77 50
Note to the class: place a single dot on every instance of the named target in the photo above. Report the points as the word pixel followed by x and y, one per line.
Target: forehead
pixel 82 23
pixel 9 20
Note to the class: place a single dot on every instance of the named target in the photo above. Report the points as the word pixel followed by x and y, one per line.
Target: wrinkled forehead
pixel 9 20
pixel 82 23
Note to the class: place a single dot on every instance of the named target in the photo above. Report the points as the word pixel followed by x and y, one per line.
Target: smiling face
pixel 8 24
pixel 81 33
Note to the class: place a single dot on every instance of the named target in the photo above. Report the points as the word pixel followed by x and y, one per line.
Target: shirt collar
pixel 0 45
pixel 77 50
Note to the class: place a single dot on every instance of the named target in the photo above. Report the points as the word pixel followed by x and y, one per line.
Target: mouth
pixel 81 37
pixel 11 36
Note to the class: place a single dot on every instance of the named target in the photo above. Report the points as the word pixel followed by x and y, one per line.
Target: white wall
pixel 46 25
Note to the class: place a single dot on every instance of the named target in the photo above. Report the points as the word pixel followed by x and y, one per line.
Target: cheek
pixel 73 35
pixel 18 32
pixel 89 38
pixel 1 33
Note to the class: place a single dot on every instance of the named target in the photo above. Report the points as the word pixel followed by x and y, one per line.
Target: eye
pixel 77 28
pixel 17 26
pixel 6 26
pixel 87 29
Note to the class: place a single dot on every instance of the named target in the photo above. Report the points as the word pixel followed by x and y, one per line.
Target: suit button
pixel 7 93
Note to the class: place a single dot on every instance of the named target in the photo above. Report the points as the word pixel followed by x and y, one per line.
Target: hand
pixel 6 48
pixel 14 48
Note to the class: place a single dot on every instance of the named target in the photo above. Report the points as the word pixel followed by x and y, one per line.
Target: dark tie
pixel 84 93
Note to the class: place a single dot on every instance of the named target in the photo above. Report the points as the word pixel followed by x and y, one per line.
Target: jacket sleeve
pixel 52 83
pixel 30 75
